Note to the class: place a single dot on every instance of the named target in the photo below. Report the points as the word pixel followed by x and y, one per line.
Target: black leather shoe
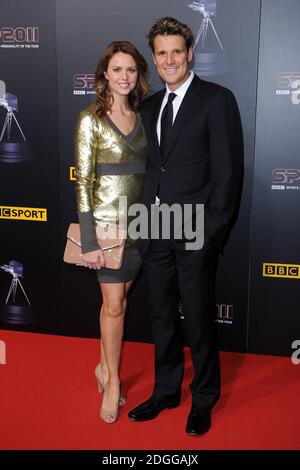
pixel 198 421
pixel 150 408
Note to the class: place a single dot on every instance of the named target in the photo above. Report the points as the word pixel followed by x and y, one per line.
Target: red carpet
pixel 48 400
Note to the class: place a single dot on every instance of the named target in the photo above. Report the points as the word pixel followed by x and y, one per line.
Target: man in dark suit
pixel 195 157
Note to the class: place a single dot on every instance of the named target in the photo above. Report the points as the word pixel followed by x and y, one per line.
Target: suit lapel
pixel 183 114
pixel 154 113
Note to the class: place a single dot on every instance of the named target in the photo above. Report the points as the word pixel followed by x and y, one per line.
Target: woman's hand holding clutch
pixel 94 259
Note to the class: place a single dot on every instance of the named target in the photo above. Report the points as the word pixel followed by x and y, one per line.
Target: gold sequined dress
pixel 109 164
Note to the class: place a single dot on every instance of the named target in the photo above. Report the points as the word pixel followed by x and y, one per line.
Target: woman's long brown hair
pixel 104 98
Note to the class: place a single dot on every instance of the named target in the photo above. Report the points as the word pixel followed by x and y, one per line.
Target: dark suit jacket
pixel 203 162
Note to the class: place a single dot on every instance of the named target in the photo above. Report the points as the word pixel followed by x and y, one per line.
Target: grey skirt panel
pixel 131 265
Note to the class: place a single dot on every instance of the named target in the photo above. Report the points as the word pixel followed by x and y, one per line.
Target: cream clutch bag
pixel 111 240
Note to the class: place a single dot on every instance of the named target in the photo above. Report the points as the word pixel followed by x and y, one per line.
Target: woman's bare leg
pixel 102 353
pixel 112 328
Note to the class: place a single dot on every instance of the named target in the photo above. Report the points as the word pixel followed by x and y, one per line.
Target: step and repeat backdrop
pixel 48 54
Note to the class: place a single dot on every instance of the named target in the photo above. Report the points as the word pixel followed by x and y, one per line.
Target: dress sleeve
pixel 85 150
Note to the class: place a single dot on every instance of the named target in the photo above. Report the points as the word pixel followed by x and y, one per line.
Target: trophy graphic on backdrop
pixel 209 55
pixel 11 312
pixel 12 150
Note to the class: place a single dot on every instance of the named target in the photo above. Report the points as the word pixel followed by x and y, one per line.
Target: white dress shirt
pixel 180 92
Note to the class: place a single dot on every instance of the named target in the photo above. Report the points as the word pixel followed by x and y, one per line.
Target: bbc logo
pixel 72 173
pixel 291 271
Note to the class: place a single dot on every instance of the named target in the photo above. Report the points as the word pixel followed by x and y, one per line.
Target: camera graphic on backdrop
pixel 209 55
pixel 17 309
pixel 14 147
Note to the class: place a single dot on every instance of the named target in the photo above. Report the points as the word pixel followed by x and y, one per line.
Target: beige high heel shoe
pixel 101 385
pixel 108 414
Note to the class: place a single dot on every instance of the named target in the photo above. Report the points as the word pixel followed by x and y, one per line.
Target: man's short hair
pixel 168 26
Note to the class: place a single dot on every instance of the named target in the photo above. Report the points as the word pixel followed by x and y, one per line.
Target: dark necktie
pixel 166 123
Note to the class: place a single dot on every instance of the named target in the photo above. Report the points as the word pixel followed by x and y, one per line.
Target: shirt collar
pixel 181 91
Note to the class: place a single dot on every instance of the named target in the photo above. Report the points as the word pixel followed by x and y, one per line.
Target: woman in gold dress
pixel 110 154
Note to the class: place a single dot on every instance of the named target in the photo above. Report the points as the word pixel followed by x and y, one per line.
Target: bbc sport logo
pixel 33 214
pixel 288 84
pixel 84 84
pixel 284 179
